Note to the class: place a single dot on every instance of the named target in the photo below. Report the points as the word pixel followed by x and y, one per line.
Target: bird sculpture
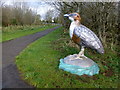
pixel 83 36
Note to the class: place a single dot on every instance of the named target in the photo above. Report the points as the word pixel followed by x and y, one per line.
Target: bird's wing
pixel 89 39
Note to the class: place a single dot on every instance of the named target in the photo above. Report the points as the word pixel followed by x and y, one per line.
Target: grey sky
pixel 37 6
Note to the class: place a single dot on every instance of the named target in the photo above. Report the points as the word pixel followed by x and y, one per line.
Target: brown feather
pixel 76 39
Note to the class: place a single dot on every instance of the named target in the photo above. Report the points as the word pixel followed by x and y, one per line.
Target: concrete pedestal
pixel 79 66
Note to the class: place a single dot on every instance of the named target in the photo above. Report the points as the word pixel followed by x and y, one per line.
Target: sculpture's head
pixel 73 16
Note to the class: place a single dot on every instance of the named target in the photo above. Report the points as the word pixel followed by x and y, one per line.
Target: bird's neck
pixel 72 26
pixel 76 23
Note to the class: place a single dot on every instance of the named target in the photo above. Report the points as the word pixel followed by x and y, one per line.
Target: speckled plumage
pixel 88 38
pixel 82 35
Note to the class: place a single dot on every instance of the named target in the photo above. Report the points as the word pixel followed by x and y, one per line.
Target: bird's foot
pixel 75 57
pixel 78 56
pixel 81 56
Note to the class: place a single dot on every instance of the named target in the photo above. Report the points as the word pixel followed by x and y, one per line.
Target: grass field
pixel 12 32
pixel 39 62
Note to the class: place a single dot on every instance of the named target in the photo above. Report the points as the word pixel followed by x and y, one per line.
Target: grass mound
pixel 39 64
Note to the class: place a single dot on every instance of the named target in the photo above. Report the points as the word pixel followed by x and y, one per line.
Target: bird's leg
pixel 81 53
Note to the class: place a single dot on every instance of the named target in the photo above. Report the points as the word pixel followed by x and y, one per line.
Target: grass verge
pixel 39 64
pixel 12 32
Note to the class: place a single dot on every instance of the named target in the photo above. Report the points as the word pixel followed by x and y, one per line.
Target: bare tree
pixel 18 14
pixel 101 17
pixel 49 15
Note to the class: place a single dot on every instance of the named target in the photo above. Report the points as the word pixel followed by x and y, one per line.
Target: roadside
pixel 11 49
pixel 12 32
pixel 39 64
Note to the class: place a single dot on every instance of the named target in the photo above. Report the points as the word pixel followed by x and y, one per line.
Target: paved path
pixel 10 74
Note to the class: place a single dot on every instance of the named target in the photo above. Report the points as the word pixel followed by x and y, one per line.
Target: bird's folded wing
pixel 88 37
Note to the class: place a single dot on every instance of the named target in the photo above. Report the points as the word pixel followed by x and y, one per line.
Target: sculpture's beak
pixel 66 15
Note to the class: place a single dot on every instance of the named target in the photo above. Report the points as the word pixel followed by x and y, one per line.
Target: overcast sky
pixel 38 6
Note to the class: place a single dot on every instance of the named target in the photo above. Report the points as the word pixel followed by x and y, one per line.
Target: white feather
pixel 72 26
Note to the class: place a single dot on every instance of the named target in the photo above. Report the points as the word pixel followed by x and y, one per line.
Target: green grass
pixel 39 62
pixel 0 35
pixel 12 32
